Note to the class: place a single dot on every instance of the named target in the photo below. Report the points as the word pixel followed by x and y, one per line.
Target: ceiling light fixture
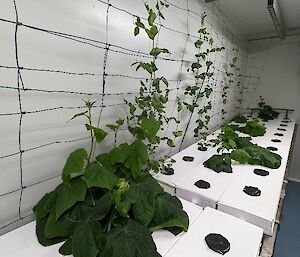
pixel 274 11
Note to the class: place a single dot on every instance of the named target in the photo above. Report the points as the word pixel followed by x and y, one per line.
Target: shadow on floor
pixel 288 238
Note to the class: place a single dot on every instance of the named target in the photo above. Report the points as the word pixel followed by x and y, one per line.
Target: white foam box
pixel 182 168
pixel 244 238
pixel 261 210
pixel 23 241
pixel 219 182
pixel 164 239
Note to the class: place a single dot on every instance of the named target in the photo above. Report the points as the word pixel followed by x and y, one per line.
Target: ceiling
pixel 253 19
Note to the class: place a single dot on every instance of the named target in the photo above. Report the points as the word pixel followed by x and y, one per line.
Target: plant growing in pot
pixel 105 202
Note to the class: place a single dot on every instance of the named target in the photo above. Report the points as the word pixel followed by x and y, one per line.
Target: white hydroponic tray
pixel 260 211
pixel 244 238
pixel 219 182
pixel 22 242
pixel 164 239
pixel 182 168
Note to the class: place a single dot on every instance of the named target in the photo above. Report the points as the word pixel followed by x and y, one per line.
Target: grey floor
pixel 288 238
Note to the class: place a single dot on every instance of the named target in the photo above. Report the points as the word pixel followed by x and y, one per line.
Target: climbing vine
pixel 202 70
pixel 231 80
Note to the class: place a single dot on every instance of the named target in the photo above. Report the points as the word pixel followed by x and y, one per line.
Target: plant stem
pixel 190 118
pixel 92 135
pixel 111 218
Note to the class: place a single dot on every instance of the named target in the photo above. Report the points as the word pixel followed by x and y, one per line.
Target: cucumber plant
pixel 230 80
pixel 266 112
pixel 147 113
pixel 203 71
pixel 105 202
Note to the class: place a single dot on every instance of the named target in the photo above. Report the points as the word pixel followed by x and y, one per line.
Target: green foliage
pixel 253 128
pixel 266 111
pixel 244 152
pixel 74 164
pixel 262 156
pixel 138 240
pixel 67 195
pixel 241 156
pixel 202 70
pixel 232 79
pixel 151 127
pixel 86 239
pixel 240 119
pixel 133 156
pixel 113 200
pixel 169 214
pixel 157 51
pixel 97 175
pixel 147 113
pixel 219 163
pixel 146 190
pixel 100 134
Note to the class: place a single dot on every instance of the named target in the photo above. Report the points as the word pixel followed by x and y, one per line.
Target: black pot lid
pixel 217 243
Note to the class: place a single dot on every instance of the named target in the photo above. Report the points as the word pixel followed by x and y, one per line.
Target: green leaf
pixel 100 134
pixel 240 119
pixel 150 67
pixel 105 160
pixel 196 66
pixel 87 239
pixel 44 206
pixel 139 242
pixel 139 23
pixel 152 32
pixel 133 156
pixel 120 122
pixel 67 196
pixel 97 175
pixel 79 114
pixel 169 214
pixel 219 163
pixel 74 164
pixel 170 143
pixel 146 189
pixel 241 156
pixel 101 207
pixel 231 144
pixel 177 133
pixel 253 128
pixel 63 227
pixel 157 51
pixel 264 157
pixel 136 31
pixel 151 126
pixel 152 17
pixel 243 142
pixel 66 248
pixel 40 228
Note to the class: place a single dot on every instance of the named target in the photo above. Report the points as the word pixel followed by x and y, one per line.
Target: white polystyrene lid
pixel 244 238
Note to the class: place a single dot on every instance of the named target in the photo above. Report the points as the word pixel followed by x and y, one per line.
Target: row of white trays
pixel 226 189
pixel 244 239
